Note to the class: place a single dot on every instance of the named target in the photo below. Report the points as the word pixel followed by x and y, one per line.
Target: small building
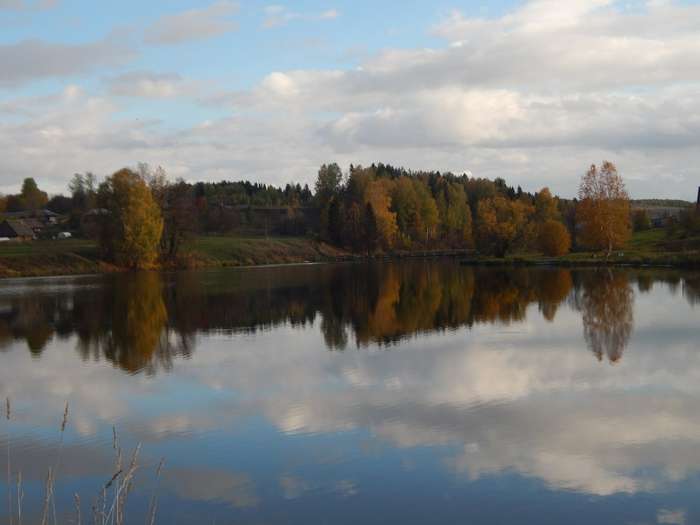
pixel 43 217
pixel 16 230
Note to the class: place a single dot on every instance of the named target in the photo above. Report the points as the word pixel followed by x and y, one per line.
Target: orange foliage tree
pixel 553 239
pixel 501 224
pixel 132 229
pixel 377 194
pixel 604 209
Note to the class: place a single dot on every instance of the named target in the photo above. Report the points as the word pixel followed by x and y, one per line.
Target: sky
pixel 532 91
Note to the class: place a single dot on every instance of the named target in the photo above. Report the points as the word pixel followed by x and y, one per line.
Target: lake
pixel 408 392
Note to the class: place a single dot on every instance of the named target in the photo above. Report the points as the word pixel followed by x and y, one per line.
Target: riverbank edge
pixel 265 252
pixel 578 260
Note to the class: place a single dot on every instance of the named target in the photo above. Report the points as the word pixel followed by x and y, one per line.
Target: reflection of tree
pixel 422 296
pixel 691 288
pixel 139 317
pixel 607 308
pixel 554 287
pixel 144 321
pixel 31 317
pixel 645 282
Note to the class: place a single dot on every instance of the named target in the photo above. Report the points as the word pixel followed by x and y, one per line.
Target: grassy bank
pixel 647 248
pixel 252 251
pixel 74 256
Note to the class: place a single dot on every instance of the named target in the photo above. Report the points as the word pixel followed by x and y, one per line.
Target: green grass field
pixel 73 256
pixel 36 258
pixel 23 249
pixel 243 251
pixel 648 240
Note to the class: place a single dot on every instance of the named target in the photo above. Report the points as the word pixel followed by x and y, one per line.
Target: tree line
pixel 141 219
pixel 384 208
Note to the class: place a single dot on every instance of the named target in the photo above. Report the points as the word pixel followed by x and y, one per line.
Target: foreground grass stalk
pixel 8 413
pixel 47 498
pixel 104 512
pixel 153 505
pixel 20 497
pixel 78 519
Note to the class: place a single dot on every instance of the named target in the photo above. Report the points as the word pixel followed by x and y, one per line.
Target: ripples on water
pixel 414 392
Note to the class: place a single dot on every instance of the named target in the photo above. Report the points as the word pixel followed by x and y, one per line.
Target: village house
pixel 37 220
pixel 16 230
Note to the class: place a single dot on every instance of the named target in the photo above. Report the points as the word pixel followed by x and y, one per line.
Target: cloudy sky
pixel 533 91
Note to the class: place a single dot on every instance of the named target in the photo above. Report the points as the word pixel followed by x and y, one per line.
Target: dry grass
pixel 110 504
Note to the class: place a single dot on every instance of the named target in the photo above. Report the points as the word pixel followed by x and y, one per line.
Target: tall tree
pixel 604 209
pixel 553 238
pixel 328 183
pixel 133 226
pixel 32 197
pixel 179 217
pixel 377 194
pixel 354 227
pixel 428 211
pixel 458 217
pixel 371 230
pixel 335 221
pixel 404 202
pixel 546 207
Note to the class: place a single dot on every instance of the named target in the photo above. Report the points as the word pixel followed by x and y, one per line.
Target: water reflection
pixel 606 305
pixel 488 396
pixel 143 321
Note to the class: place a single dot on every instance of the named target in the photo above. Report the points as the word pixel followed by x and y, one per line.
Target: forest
pixel 141 219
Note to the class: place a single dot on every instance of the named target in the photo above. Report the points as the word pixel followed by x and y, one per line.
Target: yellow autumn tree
pixel 604 209
pixel 553 238
pixel 501 224
pixel 546 206
pixel 377 193
pixel 458 218
pixel 133 226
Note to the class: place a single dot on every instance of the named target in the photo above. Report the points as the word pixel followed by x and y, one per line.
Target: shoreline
pixel 578 260
pixel 80 258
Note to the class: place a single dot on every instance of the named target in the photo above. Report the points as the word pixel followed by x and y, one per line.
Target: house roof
pixel 29 213
pixel 20 228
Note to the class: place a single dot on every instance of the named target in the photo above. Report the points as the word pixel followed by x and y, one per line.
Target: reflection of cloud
pixel 293 487
pixel 33 457
pixel 671 517
pixel 529 399
pixel 212 485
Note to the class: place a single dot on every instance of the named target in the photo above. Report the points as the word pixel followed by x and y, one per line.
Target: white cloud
pixel 279 15
pixel 28 5
pixel 539 87
pixel 146 84
pixel 31 60
pixel 535 95
pixel 194 24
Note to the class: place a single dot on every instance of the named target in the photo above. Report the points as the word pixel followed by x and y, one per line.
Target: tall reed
pixel 109 507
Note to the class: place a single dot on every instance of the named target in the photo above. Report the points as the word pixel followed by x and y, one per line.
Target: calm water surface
pixel 420 392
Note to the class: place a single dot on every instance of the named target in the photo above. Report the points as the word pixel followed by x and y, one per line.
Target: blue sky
pixel 533 90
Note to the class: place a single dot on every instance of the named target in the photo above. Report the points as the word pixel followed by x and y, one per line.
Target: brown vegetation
pixel 604 209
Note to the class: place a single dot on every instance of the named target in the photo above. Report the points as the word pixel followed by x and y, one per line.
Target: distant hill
pixel 660 203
